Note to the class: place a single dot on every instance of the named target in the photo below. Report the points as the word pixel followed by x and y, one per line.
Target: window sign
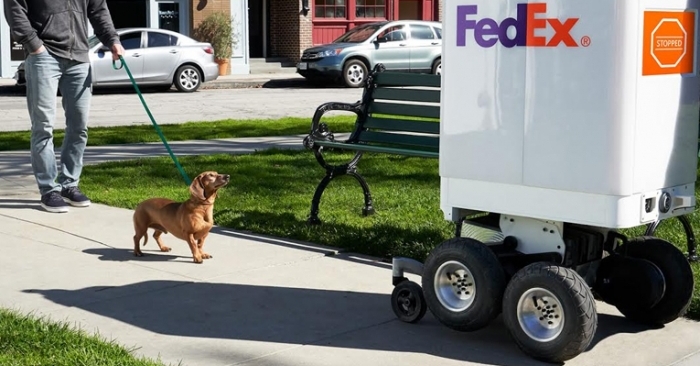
pixel 16 51
pixel 169 16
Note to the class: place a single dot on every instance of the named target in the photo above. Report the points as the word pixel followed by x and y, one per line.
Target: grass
pixel 271 193
pixel 229 128
pixel 29 340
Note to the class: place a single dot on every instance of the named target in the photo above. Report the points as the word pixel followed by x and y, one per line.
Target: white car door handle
pixel 136 55
pixel 173 51
pixel 434 43
pixel 402 44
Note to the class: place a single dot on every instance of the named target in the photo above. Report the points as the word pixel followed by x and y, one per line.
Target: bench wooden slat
pixel 399 139
pixel 407 79
pixel 414 110
pixel 380 149
pixel 403 125
pixel 410 95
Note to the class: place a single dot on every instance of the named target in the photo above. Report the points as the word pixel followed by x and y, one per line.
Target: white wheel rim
pixel 356 74
pixel 540 314
pixel 189 79
pixel 454 286
pixel 438 70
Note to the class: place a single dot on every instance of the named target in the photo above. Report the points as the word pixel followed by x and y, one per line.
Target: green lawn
pixel 271 193
pixel 228 128
pixel 29 340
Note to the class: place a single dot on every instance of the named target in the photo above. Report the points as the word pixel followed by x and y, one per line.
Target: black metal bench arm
pixel 320 130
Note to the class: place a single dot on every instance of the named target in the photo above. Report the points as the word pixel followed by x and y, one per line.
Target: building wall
pixel 202 9
pixel 290 29
pixel 237 9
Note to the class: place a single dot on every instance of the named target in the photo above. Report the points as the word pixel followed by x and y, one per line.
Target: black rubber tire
pixel 578 306
pixel 346 68
pixel 678 276
pixel 408 302
pixel 489 280
pixel 177 76
pixel 436 64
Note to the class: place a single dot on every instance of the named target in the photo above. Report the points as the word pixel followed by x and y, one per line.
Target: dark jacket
pixel 60 25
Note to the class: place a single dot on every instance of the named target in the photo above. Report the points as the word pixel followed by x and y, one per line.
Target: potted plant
pixel 217 29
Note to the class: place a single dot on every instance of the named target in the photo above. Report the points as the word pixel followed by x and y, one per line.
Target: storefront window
pixel 329 8
pixel 370 9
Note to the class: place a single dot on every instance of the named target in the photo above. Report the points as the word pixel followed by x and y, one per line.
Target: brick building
pixel 298 24
pixel 265 28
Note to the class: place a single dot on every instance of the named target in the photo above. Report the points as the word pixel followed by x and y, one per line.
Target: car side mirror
pixel 380 40
pixel 103 49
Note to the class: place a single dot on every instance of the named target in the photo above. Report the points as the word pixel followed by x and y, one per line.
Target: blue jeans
pixel 44 74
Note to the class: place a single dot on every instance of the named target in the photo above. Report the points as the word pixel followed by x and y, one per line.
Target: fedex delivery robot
pixel 562 122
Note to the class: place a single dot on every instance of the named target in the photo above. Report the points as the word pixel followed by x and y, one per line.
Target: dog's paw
pixel 206 255
pixel 198 259
pixel 138 254
pixel 165 249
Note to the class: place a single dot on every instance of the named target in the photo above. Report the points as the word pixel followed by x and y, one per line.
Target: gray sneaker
pixel 53 202
pixel 74 197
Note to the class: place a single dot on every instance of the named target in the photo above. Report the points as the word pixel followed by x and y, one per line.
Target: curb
pixel 262 83
pixel 292 82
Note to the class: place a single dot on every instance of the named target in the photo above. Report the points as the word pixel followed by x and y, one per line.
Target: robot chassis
pixel 547 297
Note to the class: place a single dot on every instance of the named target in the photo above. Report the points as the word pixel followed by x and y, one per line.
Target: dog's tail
pixel 145 240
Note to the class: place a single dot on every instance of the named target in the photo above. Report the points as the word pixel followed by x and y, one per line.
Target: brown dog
pixel 190 220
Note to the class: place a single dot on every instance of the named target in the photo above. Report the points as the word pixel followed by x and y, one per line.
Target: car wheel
pixel 354 73
pixel 437 67
pixel 187 79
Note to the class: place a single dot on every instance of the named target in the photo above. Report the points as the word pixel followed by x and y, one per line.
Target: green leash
pixel 155 125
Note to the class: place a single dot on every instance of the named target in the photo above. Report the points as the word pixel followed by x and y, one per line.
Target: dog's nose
pixel 227 177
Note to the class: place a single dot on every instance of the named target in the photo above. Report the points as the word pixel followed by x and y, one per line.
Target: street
pixel 113 108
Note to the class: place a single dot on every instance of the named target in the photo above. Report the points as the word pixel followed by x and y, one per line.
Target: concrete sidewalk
pixel 259 300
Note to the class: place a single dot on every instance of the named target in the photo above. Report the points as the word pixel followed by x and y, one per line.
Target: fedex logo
pixel 487 31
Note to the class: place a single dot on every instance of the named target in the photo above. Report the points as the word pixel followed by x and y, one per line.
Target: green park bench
pixel 398 114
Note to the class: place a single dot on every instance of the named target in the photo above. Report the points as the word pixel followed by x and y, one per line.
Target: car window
pixel 393 34
pixel 421 32
pixel 358 34
pixel 131 41
pixel 161 40
pixel 438 31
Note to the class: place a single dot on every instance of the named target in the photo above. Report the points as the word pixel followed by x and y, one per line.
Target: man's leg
pixel 75 90
pixel 42 74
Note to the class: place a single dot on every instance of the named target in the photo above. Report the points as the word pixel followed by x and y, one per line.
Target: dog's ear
pixel 197 189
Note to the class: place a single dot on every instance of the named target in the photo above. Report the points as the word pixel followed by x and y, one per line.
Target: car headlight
pixel 329 53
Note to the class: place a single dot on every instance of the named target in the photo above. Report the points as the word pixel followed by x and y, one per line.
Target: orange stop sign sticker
pixel 669 42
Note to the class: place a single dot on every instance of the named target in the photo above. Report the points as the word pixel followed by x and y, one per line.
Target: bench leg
pixel 313 216
pixel 331 173
pixel 368 209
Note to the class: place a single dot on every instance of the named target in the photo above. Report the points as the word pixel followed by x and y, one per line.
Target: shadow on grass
pixel 382 240
pixel 302 316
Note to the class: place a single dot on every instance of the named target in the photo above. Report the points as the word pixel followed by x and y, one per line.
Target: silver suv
pixel 401 45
